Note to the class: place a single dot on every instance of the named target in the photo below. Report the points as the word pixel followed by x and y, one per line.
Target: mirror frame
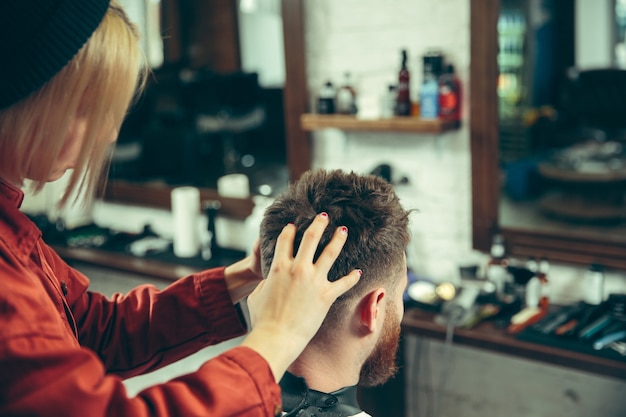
pixel 484 144
pixel 295 99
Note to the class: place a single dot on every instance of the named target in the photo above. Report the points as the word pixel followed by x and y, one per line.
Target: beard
pixel 381 364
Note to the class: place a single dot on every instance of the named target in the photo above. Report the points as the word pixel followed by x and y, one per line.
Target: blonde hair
pixel 99 84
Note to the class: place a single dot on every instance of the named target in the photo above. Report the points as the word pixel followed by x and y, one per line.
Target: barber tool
pixel 525 318
pixel 552 322
pixel 615 326
pixel 604 341
pixel 618 305
pixel 603 318
pixel 619 347
pixel 566 328
pixel 594 327
pixel 590 313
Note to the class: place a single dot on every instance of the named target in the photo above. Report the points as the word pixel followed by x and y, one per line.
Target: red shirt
pixel 65 350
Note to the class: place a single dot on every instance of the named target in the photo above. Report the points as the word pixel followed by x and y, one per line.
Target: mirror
pixel 529 226
pixel 215 106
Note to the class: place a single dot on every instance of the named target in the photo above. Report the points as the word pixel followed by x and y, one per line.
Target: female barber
pixel 68 72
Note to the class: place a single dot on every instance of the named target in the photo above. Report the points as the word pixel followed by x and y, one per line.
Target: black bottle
pixel 403 100
pixel 326 99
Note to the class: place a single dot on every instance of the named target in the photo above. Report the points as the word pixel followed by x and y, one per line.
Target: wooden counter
pixel 389 399
pixel 119 261
pixel 486 336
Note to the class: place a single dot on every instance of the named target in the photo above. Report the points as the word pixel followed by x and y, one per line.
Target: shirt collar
pixel 299 399
pixel 17 231
pixel 11 193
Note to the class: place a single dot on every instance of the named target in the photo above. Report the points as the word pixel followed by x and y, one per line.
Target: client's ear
pixel 370 309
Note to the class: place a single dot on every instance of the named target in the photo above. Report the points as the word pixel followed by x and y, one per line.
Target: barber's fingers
pixel 328 257
pixel 284 243
pixel 332 250
pixel 311 239
pixel 309 243
pixel 344 283
pixel 306 252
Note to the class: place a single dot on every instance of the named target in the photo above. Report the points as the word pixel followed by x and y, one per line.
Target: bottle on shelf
pixel 429 94
pixel 415 103
pixel 433 59
pixel 594 285
pixel 345 101
pixel 497 251
pixel 542 274
pixel 450 96
pixel 388 102
pixel 326 99
pixel 403 98
pixel 537 289
pixel 497 266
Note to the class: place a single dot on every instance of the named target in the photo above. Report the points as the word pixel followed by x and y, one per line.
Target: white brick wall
pixel 365 38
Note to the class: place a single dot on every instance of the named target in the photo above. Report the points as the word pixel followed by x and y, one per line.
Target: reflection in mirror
pixel 216 107
pixel 562 124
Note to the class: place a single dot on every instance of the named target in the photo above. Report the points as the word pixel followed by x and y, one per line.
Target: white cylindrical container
pixel 594 285
pixel 185 221
pixel 533 292
pixel 234 186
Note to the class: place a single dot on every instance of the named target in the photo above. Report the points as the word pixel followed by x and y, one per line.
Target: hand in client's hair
pixel 296 296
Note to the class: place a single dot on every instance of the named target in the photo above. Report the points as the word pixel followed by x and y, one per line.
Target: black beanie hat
pixel 40 37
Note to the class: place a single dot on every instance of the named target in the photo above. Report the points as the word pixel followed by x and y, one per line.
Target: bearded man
pixel 358 340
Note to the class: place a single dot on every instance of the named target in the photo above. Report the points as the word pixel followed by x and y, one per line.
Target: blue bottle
pixel 429 95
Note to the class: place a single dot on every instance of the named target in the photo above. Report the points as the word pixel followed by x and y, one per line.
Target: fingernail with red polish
pixel 360 272
pixel 324 214
pixel 344 230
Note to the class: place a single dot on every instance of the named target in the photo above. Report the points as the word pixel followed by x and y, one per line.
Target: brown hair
pixel 99 84
pixel 378 232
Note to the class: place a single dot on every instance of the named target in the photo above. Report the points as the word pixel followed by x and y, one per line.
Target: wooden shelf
pixel 159 196
pixel 397 124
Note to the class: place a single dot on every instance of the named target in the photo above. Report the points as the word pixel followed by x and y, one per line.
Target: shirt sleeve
pixel 149 328
pixel 54 380
pixel 45 372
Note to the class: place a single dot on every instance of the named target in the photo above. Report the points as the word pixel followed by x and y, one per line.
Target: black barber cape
pixel 301 401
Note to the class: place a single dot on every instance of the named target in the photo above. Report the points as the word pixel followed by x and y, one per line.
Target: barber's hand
pixel 243 276
pixel 288 307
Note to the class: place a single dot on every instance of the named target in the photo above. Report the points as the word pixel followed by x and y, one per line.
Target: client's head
pixel 370 313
